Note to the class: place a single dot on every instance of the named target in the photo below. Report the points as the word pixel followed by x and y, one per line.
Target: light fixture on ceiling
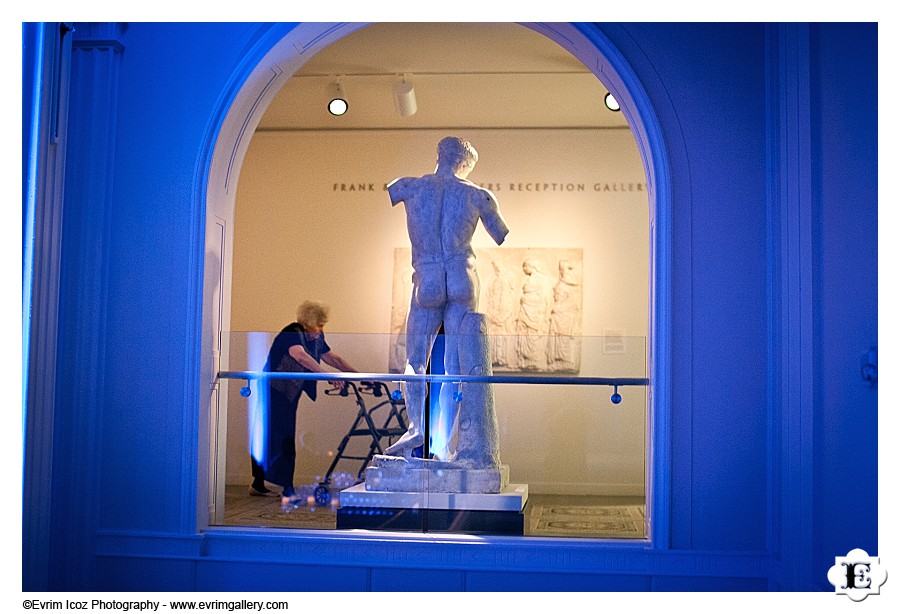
pixel 405 97
pixel 611 103
pixel 337 99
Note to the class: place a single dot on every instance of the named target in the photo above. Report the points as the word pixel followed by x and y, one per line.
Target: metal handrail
pixel 615 382
pixel 434 377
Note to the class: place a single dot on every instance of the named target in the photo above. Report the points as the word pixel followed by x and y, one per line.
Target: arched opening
pixel 245 114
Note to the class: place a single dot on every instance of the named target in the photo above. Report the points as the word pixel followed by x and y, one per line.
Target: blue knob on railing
pixel 397 394
pixel 457 396
pixel 245 391
pixel 616 398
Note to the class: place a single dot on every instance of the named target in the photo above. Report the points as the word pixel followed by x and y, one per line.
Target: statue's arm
pixel 492 218
pixel 398 189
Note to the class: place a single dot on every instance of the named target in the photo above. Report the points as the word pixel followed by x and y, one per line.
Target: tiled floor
pixel 545 515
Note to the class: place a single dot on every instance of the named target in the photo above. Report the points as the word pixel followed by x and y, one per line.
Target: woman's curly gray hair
pixel 312 313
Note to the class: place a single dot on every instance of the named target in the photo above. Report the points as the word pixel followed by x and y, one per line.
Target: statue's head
pixel 457 154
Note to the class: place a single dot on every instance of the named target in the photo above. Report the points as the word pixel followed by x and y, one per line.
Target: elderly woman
pixel 299 347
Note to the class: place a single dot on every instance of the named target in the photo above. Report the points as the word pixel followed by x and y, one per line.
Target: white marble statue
pixel 442 212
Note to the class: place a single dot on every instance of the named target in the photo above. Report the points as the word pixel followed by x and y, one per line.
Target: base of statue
pixel 499 513
pixel 398 474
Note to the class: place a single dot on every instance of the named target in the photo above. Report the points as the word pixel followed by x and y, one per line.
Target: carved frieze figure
pixel 564 342
pixel 532 323
pixel 501 313
pixel 399 313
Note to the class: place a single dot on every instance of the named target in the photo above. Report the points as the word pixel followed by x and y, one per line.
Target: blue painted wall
pixel 122 452
pixel 846 285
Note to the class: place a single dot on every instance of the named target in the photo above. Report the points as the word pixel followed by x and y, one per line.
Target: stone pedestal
pixel 500 513
pixel 470 494
pixel 416 475
pixel 511 499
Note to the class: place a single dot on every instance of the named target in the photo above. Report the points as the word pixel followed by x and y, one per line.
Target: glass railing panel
pixel 570 428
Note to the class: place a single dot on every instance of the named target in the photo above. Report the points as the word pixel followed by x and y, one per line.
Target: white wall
pixel 312 220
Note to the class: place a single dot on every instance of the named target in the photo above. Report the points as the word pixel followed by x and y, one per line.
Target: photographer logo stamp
pixel 857 575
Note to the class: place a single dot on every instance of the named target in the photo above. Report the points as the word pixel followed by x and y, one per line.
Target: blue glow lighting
pixel 444 410
pixel 34 33
pixel 442 407
pixel 441 424
pixel 257 410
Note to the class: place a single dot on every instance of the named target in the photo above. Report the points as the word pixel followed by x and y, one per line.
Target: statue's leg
pixel 421 328
pixel 445 427
pixel 462 292
pixel 453 317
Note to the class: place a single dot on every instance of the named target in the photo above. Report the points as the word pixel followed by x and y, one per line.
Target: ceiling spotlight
pixel 611 103
pixel 405 97
pixel 337 104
